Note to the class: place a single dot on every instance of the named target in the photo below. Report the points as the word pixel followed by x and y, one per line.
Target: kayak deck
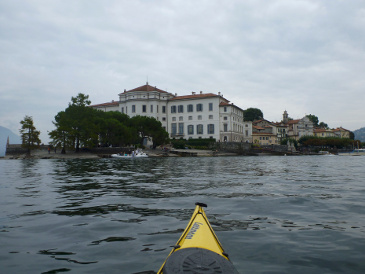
pixel 198 250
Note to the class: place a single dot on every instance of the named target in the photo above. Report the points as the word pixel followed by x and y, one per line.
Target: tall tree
pixel 314 119
pixel 76 125
pixel 322 125
pixel 113 129
pixel 60 136
pixel 149 127
pixel 252 114
pixel 29 134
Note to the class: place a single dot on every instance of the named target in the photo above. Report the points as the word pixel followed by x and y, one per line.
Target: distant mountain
pixel 360 134
pixel 13 138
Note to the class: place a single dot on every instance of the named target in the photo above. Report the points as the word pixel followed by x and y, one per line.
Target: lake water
pixel 272 214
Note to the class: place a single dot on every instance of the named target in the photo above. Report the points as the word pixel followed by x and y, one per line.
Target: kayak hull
pixel 198 250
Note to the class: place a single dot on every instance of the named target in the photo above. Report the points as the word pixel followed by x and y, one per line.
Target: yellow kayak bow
pixel 198 250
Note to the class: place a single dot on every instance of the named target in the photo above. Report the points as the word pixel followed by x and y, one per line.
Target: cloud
pixel 302 56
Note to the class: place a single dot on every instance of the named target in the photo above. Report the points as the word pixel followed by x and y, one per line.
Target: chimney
pixel 219 93
pixel 201 92
pixel 193 93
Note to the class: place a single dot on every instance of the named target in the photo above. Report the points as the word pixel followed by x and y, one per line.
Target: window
pixel 157 109
pixel 133 108
pixel 211 117
pixel 225 118
pixel 225 109
pixel 199 129
pixel 210 128
pixel 181 118
pixel 190 129
pixel 173 118
pixel 200 117
pixel 181 128
pixel 163 109
pixel 210 106
pixel 173 109
pixel 144 108
pixel 173 128
pixel 190 108
pixel 190 117
pixel 225 127
pixel 163 118
pixel 151 108
pixel 122 110
pixel 180 109
pixel 246 133
pixel 199 107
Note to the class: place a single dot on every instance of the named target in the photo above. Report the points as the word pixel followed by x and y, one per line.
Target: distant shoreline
pixel 44 154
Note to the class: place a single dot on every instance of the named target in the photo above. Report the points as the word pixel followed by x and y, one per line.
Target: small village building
pixel 341 132
pixel 299 128
pixel 323 133
pixel 264 132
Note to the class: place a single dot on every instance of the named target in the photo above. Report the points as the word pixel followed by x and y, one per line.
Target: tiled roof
pixel 224 104
pixel 258 127
pixel 195 96
pixel 110 104
pixel 293 121
pixel 262 133
pixel 146 87
pixel 341 129
pixel 317 130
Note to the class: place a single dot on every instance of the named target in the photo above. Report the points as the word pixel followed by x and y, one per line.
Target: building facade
pixel 198 115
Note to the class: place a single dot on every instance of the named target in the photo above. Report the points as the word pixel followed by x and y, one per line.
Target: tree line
pixel 80 126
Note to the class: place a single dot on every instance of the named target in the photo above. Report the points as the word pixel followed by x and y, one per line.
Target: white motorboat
pixel 134 154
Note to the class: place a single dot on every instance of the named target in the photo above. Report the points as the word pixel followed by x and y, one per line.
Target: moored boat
pixel 198 250
pixel 133 154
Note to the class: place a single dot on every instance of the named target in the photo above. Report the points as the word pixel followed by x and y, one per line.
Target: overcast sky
pixel 303 56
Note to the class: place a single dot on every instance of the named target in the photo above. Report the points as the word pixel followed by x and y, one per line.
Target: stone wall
pixel 15 150
pixel 234 147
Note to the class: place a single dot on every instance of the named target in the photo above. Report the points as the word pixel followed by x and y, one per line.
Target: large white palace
pixel 198 115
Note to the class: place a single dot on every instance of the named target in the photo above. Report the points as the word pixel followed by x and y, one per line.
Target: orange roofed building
pixel 197 115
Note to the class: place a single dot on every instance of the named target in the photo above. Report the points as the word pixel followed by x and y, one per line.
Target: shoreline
pixel 44 154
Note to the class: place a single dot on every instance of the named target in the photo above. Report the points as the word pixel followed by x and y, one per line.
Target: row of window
pixel 178 128
pixel 190 108
pixel 144 109
pixel 200 117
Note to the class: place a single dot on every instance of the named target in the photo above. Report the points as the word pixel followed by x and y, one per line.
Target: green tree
pixel 76 125
pixel 149 127
pixel 252 114
pixel 314 119
pixel 29 134
pixel 60 136
pixel 322 125
pixel 114 129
